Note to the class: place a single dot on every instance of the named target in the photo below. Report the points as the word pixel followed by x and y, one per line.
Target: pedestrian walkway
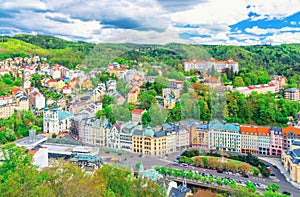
pixel 277 162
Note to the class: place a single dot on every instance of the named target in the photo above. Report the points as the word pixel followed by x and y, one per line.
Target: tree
pixel 198 161
pixel 226 182
pixel 219 181
pixel 170 171
pixel 238 82
pixel 190 174
pixel 204 179
pixel 146 99
pixel 273 187
pixel 244 168
pixel 163 170
pixel 251 186
pixel 146 119
pixel 122 88
pixel 158 116
pixel 182 173
pixel 176 173
pixel 100 114
pixel 212 162
pixel 197 177
pixel 211 179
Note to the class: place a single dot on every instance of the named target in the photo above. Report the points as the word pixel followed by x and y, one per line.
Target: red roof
pixel 179 82
pixel 32 152
pixel 132 91
pixel 15 90
pixel 67 87
pixel 138 111
pixel 51 80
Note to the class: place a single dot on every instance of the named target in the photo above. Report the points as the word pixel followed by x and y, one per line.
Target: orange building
pixel 289 134
pixel 255 140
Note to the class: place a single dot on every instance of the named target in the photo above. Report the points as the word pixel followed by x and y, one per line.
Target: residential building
pixel 169 101
pixel 181 136
pixel 291 162
pixel 264 140
pixel 56 120
pixel 292 94
pixel 224 137
pixel 148 142
pixel 7 110
pixel 93 131
pixel 116 69
pixel 276 143
pixel 212 64
pixel 174 91
pixel 36 98
pixel 99 92
pixel 174 84
pixel 289 134
pixel 212 82
pixel 260 89
pixel 249 139
pixel 113 136
pixel 67 89
pixel 91 108
pixel 198 135
pixel 21 100
pixel 126 135
pixel 136 115
pixel 133 96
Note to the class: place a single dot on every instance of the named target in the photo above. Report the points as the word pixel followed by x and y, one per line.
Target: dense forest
pixel 281 59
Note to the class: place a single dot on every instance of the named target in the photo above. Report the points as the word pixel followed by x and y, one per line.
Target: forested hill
pixel 281 59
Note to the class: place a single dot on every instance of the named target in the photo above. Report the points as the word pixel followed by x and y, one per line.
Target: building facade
pixel 276 143
pixel 148 142
pixel 56 120
pixel 289 134
pixel 291 162
pixel 292 94
pixel 224 137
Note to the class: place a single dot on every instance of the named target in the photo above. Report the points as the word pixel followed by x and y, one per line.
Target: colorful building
pixel 276 143
pixel 289 134
pixel 148 142
pixel 224 137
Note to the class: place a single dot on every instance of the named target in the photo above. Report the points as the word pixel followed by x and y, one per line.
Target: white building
pixel 56 120
pixel 204 66
pixel 113 136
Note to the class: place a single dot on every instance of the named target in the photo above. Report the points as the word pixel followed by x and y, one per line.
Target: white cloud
pixel 259 31
pixel 287 37
pixel 256 30
pixel 21 4
pixel 274 8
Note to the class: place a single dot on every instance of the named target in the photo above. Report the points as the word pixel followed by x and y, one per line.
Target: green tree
pixel 238 82
pixel 158 116
pixel 273 187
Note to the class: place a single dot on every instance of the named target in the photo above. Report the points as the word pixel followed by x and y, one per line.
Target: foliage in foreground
pixel 19 177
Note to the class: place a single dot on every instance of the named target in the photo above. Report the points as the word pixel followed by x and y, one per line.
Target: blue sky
pixel 233 22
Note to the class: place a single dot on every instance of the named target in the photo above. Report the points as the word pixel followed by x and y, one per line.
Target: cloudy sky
pixel 235 22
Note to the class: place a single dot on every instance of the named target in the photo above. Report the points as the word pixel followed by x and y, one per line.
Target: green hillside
pixel 282 59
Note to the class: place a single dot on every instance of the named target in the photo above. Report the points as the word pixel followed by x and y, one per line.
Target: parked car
pixel 219 171
pixel 175 164
pixel 245 175
pixel 184 165
pixel 286 193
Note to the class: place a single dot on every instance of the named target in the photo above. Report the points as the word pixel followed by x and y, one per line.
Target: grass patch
pixel 238 163
pixel 112 151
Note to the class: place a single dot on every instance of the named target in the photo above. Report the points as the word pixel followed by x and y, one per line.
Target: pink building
pixel 276 144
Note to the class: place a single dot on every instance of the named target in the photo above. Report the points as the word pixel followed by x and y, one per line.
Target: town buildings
pixel 260 89
pixel 137 114
pixel 289 134
pixel 292 94
pixel 212 64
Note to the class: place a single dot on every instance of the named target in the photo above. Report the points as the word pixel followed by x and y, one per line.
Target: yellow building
pixel 291 162
pixel 148 142
pixel 173 91
pixel 169 101
pixel 133 96
pixel 60 84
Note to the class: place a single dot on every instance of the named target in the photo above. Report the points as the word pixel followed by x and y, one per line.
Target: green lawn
pixel 238 163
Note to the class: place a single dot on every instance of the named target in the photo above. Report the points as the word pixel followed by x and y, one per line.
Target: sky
pixel 222 22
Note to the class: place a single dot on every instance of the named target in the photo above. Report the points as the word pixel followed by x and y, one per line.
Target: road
pixel 130 159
